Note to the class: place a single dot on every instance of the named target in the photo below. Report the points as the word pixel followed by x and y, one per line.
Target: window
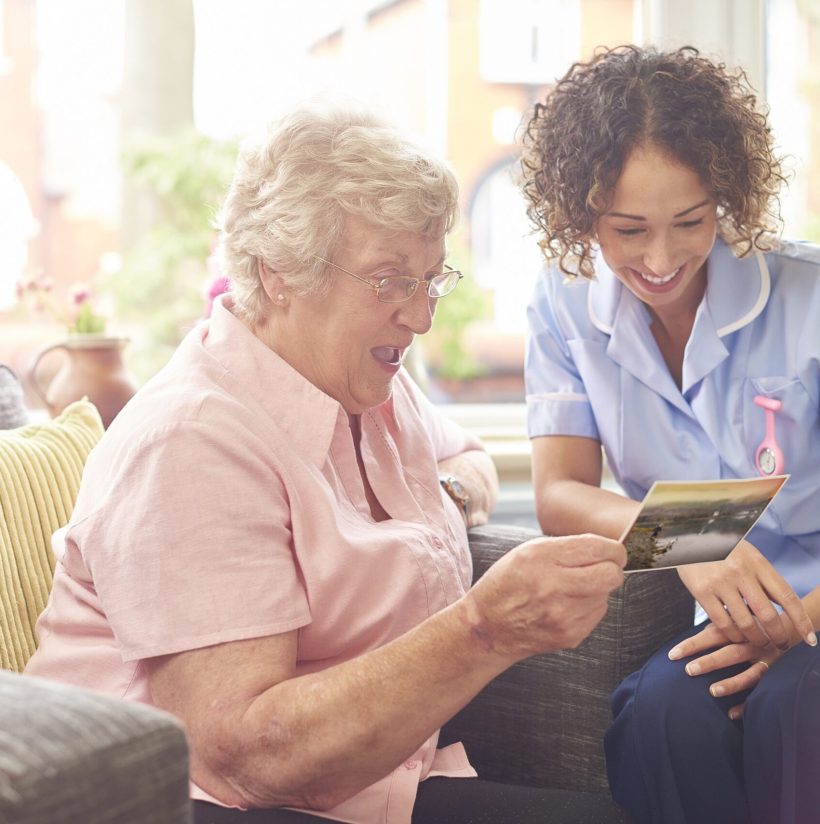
pixel 5 61
pixel 793 93
pixel 17 226
pixel 528 41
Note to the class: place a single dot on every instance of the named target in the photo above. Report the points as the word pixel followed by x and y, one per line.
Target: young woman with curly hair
pixel 670 324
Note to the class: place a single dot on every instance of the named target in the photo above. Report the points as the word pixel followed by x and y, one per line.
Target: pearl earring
pixel 280 297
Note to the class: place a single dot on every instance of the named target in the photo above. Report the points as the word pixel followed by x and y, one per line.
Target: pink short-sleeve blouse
pixel 225 503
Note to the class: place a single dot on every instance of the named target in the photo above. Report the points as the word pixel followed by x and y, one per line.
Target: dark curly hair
pixel 706 117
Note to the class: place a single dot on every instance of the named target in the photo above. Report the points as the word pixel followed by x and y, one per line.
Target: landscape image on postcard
pixel 688 522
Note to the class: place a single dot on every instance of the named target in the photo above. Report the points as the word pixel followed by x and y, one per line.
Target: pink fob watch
pixel 769 456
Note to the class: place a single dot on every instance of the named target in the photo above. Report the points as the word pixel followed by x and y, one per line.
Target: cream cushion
pixel 40 469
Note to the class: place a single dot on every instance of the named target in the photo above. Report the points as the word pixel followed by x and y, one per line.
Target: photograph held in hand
pixel 691 522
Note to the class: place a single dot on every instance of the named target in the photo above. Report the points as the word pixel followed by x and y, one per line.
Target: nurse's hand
pixel 739 594
pixel 728 654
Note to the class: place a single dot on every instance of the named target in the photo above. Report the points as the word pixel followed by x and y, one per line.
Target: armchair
pixel 70 755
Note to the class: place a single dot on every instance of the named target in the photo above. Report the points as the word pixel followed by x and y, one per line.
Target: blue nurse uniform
pixel 594 370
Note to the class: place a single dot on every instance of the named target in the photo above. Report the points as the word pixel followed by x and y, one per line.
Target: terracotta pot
pixel 94 369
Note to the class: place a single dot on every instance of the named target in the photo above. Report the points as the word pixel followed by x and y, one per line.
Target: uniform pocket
pixel 794 422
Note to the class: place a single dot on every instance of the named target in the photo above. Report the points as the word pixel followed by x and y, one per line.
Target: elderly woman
pixel 262 544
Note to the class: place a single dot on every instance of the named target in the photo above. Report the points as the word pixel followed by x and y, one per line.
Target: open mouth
pixel 653 282
pixel 388 355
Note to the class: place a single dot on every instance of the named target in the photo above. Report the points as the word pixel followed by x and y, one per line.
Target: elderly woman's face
pixel 347 342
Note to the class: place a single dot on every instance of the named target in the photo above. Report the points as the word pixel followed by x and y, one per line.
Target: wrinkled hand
pixel 726 654
pixel 546 594
pixel 739 594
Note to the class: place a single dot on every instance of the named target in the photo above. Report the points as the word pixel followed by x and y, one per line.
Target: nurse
pixel 674 329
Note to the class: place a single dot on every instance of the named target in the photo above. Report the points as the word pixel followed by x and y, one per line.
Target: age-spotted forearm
pixel 314 740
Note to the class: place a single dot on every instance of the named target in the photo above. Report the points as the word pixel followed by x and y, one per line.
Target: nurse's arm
pixel 566 473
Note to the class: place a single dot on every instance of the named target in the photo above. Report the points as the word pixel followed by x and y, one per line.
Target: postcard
pixel 689 522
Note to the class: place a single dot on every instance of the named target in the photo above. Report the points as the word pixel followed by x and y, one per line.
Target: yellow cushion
pixel 40 469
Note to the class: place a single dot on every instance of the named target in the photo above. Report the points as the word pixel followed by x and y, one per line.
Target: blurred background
pixel 119 122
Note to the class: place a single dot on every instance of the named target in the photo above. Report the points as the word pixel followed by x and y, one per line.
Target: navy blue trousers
pixel 675 757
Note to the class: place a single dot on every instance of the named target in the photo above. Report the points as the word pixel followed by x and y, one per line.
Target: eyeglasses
pixel 398 288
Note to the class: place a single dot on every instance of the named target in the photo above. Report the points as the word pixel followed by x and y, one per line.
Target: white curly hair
pixel 293 188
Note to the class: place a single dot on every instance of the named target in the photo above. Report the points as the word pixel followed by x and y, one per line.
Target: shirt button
pixel 410 765
pixel 437 543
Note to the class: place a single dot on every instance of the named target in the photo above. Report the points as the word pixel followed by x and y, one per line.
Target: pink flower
pixel 75 310
pixel 219 285
pixel 79 294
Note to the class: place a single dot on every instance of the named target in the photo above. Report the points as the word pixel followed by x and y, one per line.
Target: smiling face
pixel 345 341
pixel 658 231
